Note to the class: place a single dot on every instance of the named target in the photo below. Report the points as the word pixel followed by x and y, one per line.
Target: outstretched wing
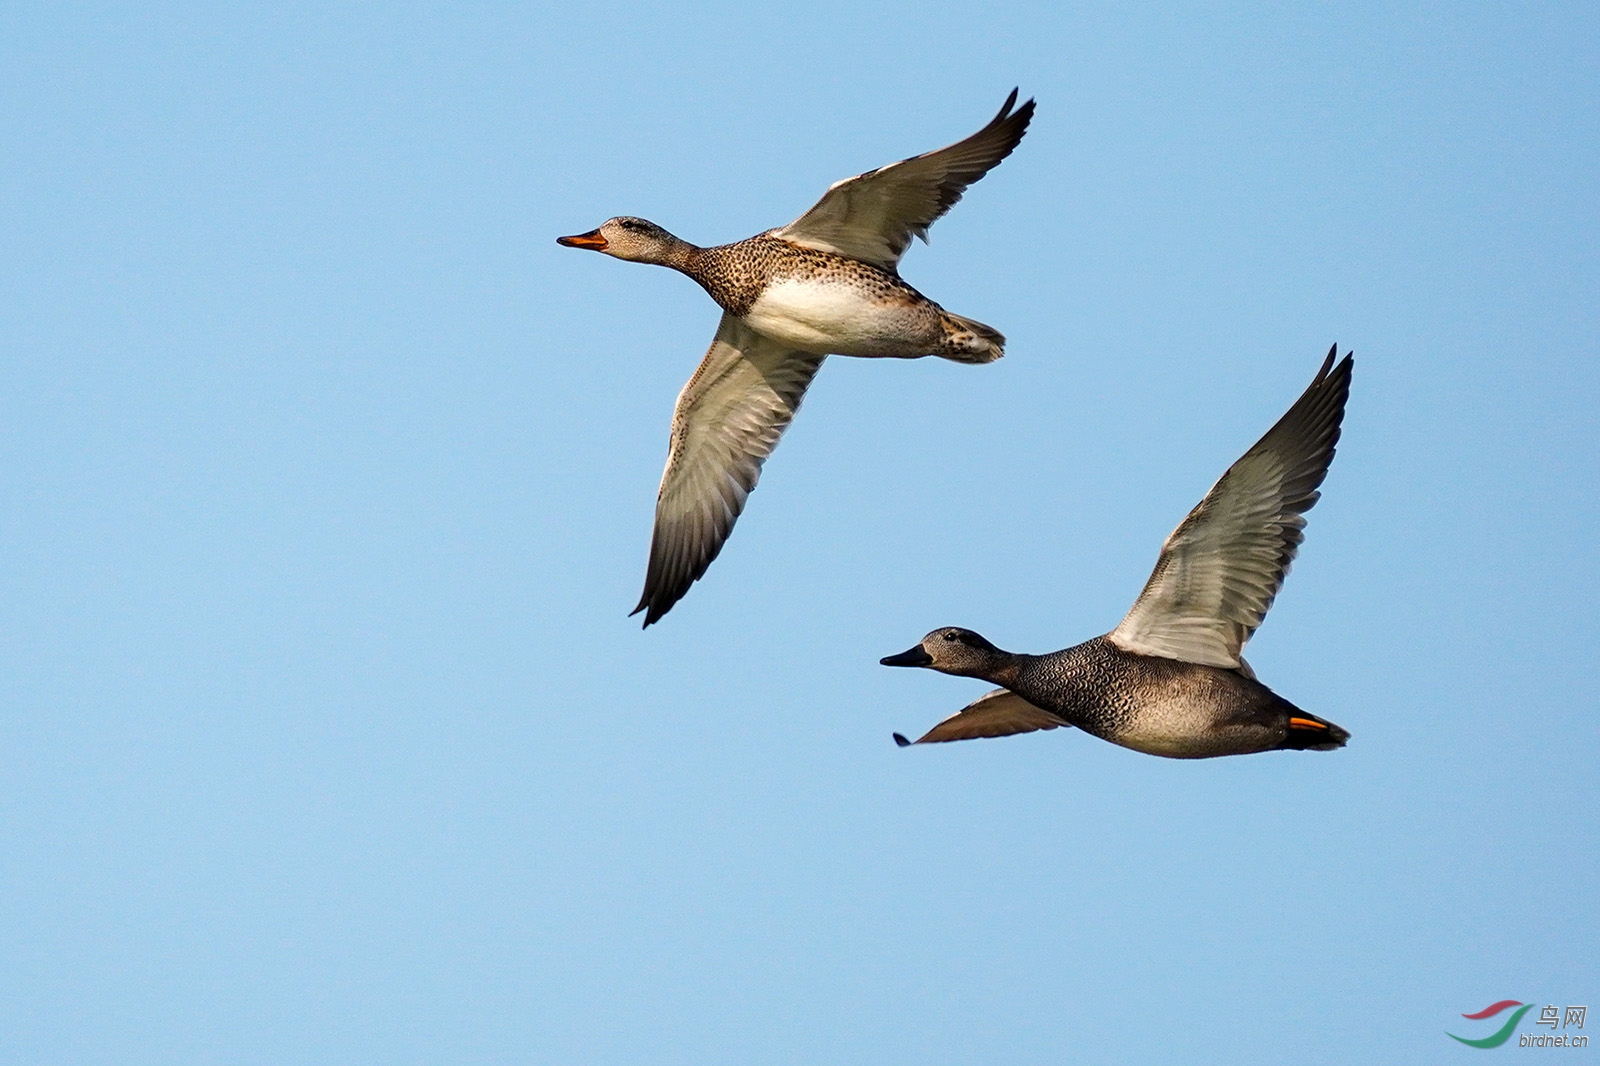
pixel 994 714
pixel 727 421
pixel 1222 567
pixel 873 216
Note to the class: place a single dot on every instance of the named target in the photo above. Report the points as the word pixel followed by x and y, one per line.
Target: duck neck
pixel 682 256
pixel 996 666
pixel 1006 669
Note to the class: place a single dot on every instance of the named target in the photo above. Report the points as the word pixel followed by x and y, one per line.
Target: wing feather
pixel 1000 713
pixel 1220 570
pixel 873 216
pixel 727 420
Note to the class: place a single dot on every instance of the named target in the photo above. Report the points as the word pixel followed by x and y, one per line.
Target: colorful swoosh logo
pixel 1492 1009
pixel 1505 1031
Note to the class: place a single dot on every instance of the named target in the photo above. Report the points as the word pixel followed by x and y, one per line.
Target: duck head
pixel 952 650
pixel 626 237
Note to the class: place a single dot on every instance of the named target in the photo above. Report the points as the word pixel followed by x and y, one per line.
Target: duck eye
pixel 630 225
pixel 954 636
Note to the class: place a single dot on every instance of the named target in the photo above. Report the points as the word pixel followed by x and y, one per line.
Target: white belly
pixel 838 319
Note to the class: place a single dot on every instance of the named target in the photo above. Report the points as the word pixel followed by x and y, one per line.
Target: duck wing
pixel 1222 567
pixel 995 714
pixel 727 421
pixel 873 216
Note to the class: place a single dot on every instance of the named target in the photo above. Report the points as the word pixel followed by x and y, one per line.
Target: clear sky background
pixel 326 482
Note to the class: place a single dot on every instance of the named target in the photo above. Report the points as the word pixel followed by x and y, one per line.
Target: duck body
pixel 1170 679
pixel 1163 706
pixel 818 301
pixel 824 303
pixel 828 283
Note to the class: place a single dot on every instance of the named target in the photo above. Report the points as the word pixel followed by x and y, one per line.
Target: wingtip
pixel 1327 362
pixel 1330 370
pixel 1342 369
pixel 901 741
pixel 1009 112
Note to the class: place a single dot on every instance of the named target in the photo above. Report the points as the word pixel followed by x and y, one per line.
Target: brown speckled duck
pixel 1169 680
pixel 828 283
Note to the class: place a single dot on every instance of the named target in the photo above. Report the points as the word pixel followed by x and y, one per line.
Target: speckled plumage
pixel 736 274
pixel 1155 705
pixel 830 304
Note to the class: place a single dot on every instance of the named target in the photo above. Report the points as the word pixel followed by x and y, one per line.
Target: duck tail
pixel 967 341
pixel 1307 732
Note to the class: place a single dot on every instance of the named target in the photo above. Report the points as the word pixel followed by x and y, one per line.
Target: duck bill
pixel 592 239
pixel 915 657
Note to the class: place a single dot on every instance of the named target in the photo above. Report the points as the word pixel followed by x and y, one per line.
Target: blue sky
pixel 326 481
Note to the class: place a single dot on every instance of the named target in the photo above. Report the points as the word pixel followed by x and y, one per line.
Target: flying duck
pixel 828 283
pixel 1169 680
